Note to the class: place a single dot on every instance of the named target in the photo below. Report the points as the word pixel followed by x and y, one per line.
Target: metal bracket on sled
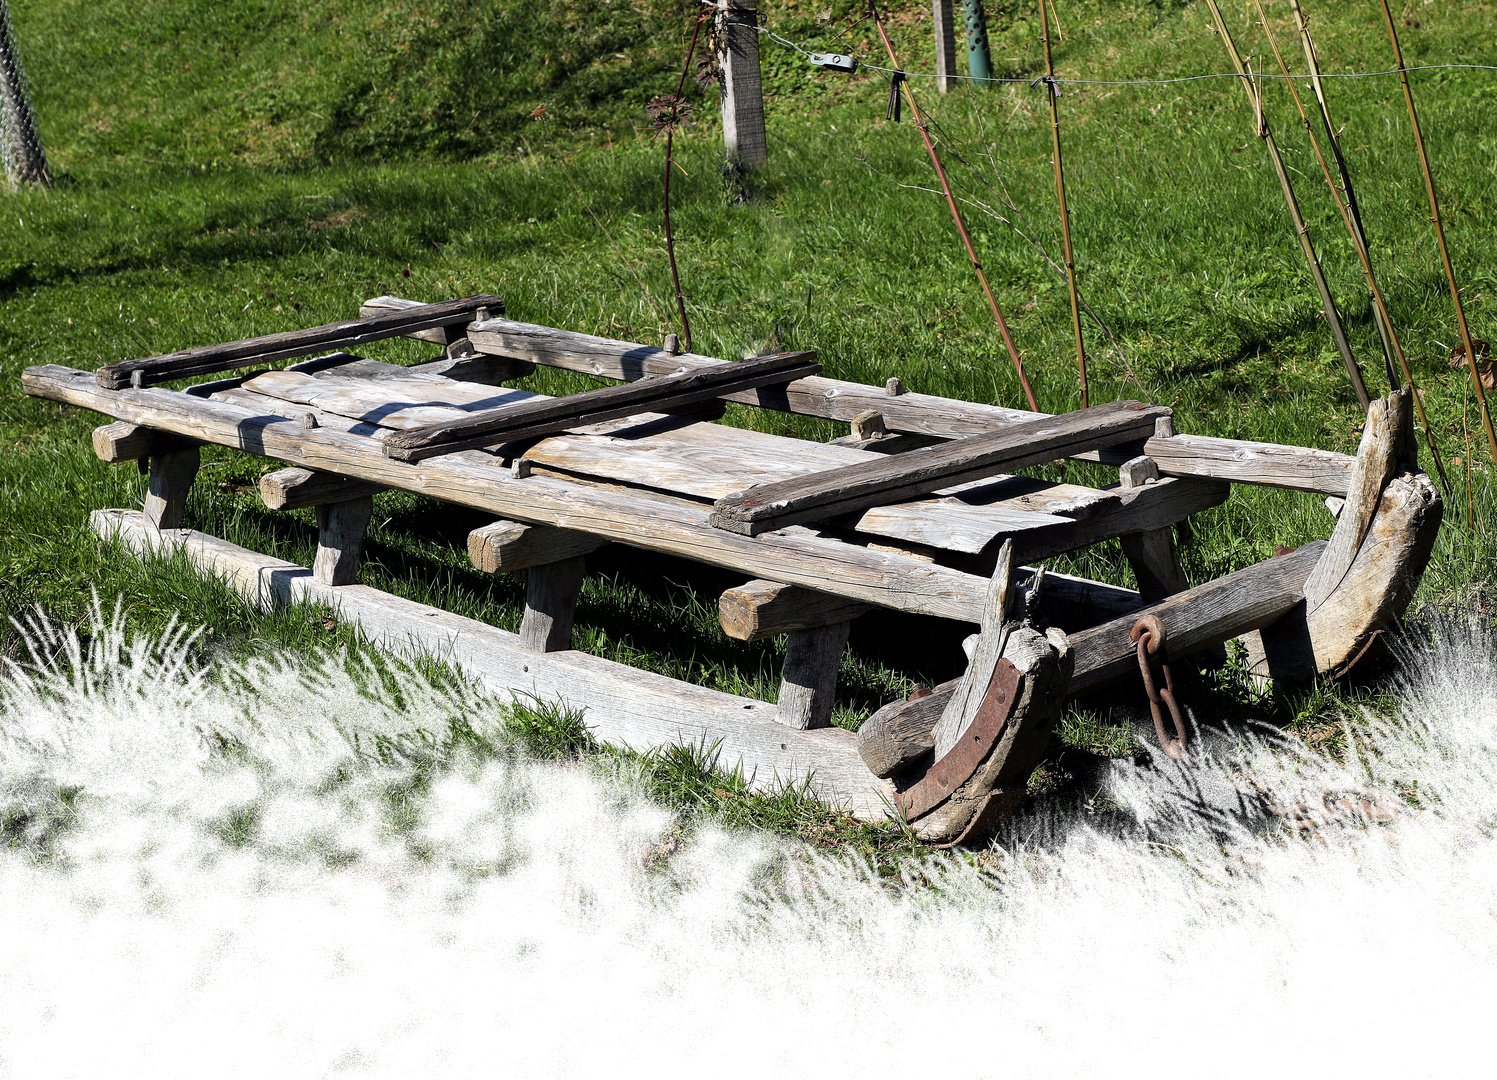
pixel 963 759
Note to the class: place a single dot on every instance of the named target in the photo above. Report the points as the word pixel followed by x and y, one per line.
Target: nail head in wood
pixel 893 387
pixel 672 345
pixel 309 421
pixel 520 467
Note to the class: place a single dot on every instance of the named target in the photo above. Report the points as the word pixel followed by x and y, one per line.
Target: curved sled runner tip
pixel 1367 574
pixel 980 781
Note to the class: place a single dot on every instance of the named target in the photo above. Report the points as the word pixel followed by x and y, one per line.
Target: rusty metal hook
pixel 1148 633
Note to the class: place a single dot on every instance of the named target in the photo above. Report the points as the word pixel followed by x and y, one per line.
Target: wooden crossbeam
pixel 206 359
pixel 532 419
pixel 1249 599
pixel 771 506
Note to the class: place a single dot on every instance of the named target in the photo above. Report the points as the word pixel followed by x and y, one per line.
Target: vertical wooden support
pixel 945 30
pixel 172 474
pixel 550 601
pixel 808 689
pixel 1152 554
pixel 340 540
pixel 742 90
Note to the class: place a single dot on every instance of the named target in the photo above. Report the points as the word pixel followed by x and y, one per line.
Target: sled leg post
pixel 808 689
pixel 171 477
pixel 340 540
pixel 550 601
pixel 1152 554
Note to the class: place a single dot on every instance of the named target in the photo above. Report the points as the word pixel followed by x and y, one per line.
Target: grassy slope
pixel 239 168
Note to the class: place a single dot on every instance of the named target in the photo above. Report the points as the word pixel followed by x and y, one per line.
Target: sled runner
pixel 919 509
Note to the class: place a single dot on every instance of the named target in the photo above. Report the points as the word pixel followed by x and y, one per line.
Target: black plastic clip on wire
pixel 892 113
pixel 1052 80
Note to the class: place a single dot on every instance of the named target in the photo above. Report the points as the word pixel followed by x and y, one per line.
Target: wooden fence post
pixel 940 11
pixel 742 90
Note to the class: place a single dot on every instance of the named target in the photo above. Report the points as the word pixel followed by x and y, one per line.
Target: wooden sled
pixel 918 509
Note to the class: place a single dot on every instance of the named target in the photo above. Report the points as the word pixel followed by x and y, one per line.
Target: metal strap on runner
pixel 971 750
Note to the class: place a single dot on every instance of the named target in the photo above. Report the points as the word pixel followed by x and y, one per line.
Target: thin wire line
pixel 1133 82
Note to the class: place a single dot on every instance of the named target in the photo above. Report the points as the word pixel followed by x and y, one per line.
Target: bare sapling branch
pixel 956 214
pixel 1052 93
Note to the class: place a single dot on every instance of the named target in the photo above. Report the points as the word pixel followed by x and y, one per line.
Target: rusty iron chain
pixel 1148 633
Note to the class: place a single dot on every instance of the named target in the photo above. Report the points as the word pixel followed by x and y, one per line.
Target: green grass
pixel 240 168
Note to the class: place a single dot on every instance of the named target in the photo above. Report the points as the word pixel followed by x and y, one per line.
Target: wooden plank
pixel 119 442
pixel 760 609
pixel 903 731
pixel 808 688
pixel 402 402
pixel 475 368
pixel 206 359
pixel 293 489
pixel 551 591
pixel 440 335
pixel 340 540
pixel 1238 461
pixel 502 547
pixel 710 461
pixel 478 480
pixel 621 705
pixel 171 477
pixel 857 487
pixel 530 419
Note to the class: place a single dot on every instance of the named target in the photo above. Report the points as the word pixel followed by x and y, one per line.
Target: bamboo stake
pixel 1053 93
pixel 1301 230
pixel 956 214
pixel 1434 211
pixel 1359 234
pixel 1352 219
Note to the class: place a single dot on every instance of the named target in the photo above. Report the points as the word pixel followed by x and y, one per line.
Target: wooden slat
pixel 400 402
pixel 536 418
pixel 478 480
pixel 857 487
pixel 675 455
pixel 1238 461
pixel 206 359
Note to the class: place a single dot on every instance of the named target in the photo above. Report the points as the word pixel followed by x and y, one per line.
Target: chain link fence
pixel 20 144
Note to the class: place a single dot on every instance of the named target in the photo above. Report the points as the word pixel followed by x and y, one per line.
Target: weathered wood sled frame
pixel 952 763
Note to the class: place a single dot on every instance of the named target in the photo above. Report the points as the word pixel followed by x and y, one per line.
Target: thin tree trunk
pixel 25 161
